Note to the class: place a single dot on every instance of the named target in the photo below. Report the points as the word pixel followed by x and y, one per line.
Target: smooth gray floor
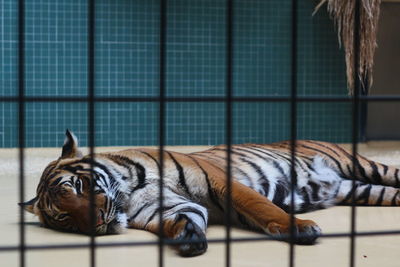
pixel 370 251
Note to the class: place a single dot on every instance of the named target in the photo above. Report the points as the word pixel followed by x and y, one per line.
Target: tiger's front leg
pixel 183 221
pixel 190 236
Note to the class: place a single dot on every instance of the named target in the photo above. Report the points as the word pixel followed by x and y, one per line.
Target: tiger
pixel 125 190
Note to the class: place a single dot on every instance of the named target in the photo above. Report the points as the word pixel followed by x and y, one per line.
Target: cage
pixel 184 75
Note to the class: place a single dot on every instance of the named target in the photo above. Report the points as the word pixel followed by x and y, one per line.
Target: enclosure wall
pixel 126 65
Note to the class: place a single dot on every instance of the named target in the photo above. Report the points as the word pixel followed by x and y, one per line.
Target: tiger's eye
pixel 78 185
pixel 62 216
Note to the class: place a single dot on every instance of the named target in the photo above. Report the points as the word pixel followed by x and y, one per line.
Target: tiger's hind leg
pixel 367 194
pixel 260 211
pixel 270 218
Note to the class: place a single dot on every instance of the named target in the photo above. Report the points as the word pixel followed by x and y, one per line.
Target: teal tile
pixel 126 64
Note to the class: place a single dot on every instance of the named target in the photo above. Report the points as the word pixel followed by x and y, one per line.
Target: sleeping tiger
pixel 126 188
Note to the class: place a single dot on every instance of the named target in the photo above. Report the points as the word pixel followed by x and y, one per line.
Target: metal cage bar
pixel 293 130
pixel 21 123
pixel 355 130
pixel 162 99
pixel 91 125
pixel 167 99
pixel 172 242
pixel 228 127
pixel 161 129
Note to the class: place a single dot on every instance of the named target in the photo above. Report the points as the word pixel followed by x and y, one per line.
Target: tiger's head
pixel 63 195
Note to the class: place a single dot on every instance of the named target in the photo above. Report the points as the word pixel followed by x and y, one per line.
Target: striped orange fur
pixel 126 187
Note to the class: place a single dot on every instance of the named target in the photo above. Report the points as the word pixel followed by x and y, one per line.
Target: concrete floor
pixel 382 251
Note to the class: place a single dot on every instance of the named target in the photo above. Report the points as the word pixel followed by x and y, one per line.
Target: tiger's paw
pixel 309 231
pixel 305 232
pixel 192 241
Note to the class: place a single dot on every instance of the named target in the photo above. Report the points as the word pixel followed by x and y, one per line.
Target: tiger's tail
pixel 350 167
pixel 364 194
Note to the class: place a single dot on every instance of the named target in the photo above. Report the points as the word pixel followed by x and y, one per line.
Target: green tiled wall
pixel 126 64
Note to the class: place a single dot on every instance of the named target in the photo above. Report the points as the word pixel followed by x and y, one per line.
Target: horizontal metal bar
pixel 316 98
pixel 175 242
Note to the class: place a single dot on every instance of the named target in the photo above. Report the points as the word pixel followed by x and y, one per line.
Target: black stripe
pixel 309 165
pixel 396 176
pixel 233 151
pixel 298 162
pixel 242 173
pixel 356 163
pixel 245 174
pixel 97 164
pixel 380 199
pixel 376 176
pixel 121 161
pixel 274 160
pixel 339 166
pixel 133 217
pixel 212 162
pixel 365 194
pixel 385 169
pixel 211 192
pixel 271 154
pixel 140 171
pixel 280 193
pixel 245 158
pixel 158 210
pixel 393 203
pixel 155 212
pixel 150 156
pixel 325 146
pixel 306 198
pixel 192 210
pixel 49 170
pixel 127 163
pixel 350 193
pixel 350 170
pixel 56 181
pixel 283 156
pixel 208 154
pixel 100 177
pixel 74 169
pixel 314 190
pixel 265 185
pixel 141 174
pixel 258 171
pixel 182 180
pixel 266 152
pixel 349 156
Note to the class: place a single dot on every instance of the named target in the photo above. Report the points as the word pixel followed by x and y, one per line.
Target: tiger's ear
pixel 29 205
pixel 70 147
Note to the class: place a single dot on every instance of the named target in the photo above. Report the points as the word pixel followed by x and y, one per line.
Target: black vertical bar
pixel 91 110
pixel 228 102
pixel 363 116
pixel 161 123
pixel 21 123
pixel 293 129
pixel 355 133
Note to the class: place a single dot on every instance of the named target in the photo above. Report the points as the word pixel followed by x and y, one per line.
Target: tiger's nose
pixel 100 219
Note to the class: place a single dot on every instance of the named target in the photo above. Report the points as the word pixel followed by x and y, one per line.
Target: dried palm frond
pixel 342 12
